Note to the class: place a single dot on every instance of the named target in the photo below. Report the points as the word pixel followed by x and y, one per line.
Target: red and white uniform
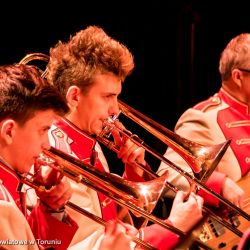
pixel 44 228
pixel 68 138
pixel 219 118
pixel 16 233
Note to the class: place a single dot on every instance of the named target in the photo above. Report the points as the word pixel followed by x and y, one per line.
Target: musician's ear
pixel 7 130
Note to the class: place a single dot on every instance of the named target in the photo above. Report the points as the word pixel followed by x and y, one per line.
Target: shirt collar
pixel 233 102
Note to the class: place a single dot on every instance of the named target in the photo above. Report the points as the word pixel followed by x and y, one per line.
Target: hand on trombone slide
pixel 233 192
pixel 186 211
pixel 57 190
pixel 128 151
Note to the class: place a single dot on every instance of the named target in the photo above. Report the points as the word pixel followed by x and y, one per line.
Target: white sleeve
pixel 16 233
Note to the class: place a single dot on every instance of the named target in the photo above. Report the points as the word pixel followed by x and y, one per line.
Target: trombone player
pixel 89 71
pixel 218 118
pixel 28 105
pixel 223 115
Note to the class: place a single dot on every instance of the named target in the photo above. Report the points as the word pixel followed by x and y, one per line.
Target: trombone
pixel 136 196
pixel 202 159
pixel 170 186
pixel 38 57
pixel 29 179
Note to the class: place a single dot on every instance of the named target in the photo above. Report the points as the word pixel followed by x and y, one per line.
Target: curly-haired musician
pixel 89 71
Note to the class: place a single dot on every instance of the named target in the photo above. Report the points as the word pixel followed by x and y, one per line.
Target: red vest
pixel 83 146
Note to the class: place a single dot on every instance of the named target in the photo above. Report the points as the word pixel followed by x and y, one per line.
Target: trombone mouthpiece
pixel 108 125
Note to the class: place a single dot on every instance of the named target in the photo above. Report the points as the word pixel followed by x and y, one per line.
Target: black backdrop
pixel 176 45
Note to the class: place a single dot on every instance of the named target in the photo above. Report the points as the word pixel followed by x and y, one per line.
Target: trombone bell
pixel 142 194
pixel 201 158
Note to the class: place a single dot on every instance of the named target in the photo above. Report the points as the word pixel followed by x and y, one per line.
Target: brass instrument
pixel 202 159
pixel 34 56
pixel 38 57
pixel 136 196
pixel 170 186
pixel 140 194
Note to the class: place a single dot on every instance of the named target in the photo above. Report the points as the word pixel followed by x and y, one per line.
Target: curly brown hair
pixel 88 52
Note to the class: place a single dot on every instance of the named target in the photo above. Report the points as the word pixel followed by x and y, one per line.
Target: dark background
pixel 176 45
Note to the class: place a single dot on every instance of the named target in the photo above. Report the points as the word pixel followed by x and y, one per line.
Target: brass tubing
pixel 190 178
pixel 175 189
pixel 64 165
